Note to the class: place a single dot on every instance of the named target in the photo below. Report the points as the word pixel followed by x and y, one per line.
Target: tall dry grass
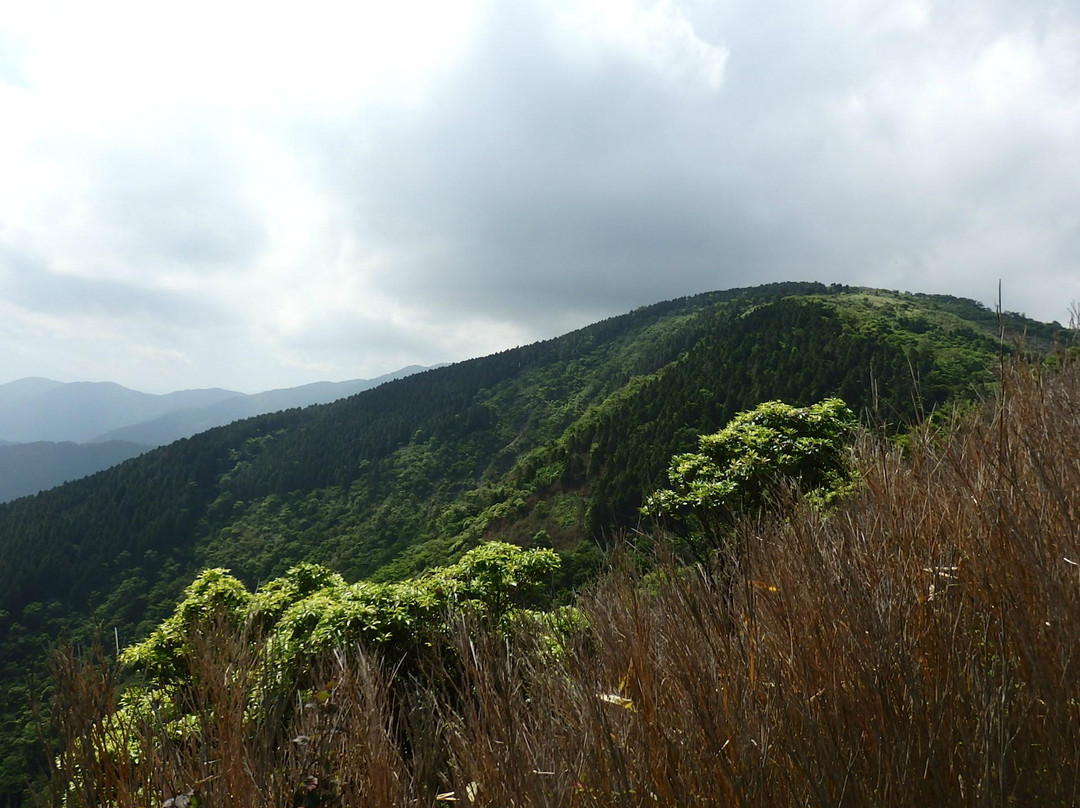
pixel 916 647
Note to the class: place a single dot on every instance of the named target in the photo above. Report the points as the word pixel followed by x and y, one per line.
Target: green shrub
pixel 741 468
pixel 311 610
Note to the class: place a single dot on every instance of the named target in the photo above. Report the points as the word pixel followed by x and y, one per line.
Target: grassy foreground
pixel 915 647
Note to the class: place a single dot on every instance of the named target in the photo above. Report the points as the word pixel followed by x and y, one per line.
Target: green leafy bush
pixel 740 468
pixel 311 610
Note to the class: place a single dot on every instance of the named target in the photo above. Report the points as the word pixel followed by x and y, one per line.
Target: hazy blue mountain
pixel 184 423
pixel 36 409
pixel 22 390
pixel 27 468
pixel 44 410
pixel 55 432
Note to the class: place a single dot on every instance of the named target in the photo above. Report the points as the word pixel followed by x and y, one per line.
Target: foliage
pixel 256 650
pixel 214 594
pixel 740 468
pixel 312 610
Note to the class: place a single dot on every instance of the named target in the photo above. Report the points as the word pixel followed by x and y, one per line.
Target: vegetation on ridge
pixel 743 467
pixel 549 445
pixel 289 623
pixel 913 646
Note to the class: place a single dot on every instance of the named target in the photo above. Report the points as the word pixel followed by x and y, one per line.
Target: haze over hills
pixel 37 409
pixel 187 422
pixel 550 444
pixel 54 432
pixel 27 468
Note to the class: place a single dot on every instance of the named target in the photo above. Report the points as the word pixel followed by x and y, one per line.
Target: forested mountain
pixel 554 443
pixel 35 409
pixel 54 415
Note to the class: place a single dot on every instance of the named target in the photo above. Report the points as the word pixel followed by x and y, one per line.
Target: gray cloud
pixel 173 193
pixel 562 168
pixel 532 184
pixel 536 183
pixel 28 282
pixel 179 202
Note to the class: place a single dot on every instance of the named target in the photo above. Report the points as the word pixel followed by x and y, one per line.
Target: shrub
pixel 743 467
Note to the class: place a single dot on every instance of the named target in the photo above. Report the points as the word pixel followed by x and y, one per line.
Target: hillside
pixel 554 443
pixel 52 416
pixel 187 422
pixel 911 646
pixel 27 468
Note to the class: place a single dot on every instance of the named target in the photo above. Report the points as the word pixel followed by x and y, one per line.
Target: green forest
pixel 550 449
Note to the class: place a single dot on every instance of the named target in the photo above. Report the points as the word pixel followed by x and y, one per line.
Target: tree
pixel 741 468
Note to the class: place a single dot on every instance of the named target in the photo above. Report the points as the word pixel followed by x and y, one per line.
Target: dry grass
pixel 915 648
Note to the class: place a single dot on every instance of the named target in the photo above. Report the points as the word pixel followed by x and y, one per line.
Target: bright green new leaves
pixel 312 609
pixel 213 595
pixel 495 576
pixel 267 644
pixel 739 468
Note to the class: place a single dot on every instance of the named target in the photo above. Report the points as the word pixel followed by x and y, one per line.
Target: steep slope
pixel 41 407
pixel 555 442
pixel 449 453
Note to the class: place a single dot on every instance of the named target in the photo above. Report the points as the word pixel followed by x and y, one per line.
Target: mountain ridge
pixel 184 423
pixel 549 444
pixel 28 468
pixel 37 409
pixel 471 424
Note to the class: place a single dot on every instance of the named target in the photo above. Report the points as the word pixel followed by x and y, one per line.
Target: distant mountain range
pixel 52 432
pixel 37 409
pixel 184 423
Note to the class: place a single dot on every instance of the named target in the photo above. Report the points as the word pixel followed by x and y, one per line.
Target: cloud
pixel 34 287
pixel 256 197
pixel 543 168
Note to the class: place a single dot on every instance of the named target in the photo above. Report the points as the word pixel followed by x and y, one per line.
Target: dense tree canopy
pixel 311 610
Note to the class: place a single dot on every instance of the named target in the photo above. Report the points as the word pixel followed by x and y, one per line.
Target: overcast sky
pixel 257 195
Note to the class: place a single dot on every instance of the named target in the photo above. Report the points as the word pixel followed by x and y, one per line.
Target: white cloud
pixel 253 195
pixel 658 34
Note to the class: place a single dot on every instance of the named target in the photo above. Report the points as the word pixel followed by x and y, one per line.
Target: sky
pixel 254 195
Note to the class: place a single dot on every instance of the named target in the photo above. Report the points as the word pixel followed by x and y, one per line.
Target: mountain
pixel 399 475
pixel 33 408
pixel 27 468
pixel 44 410
pixel 554 443
pixel 23 390
pixel 187 422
